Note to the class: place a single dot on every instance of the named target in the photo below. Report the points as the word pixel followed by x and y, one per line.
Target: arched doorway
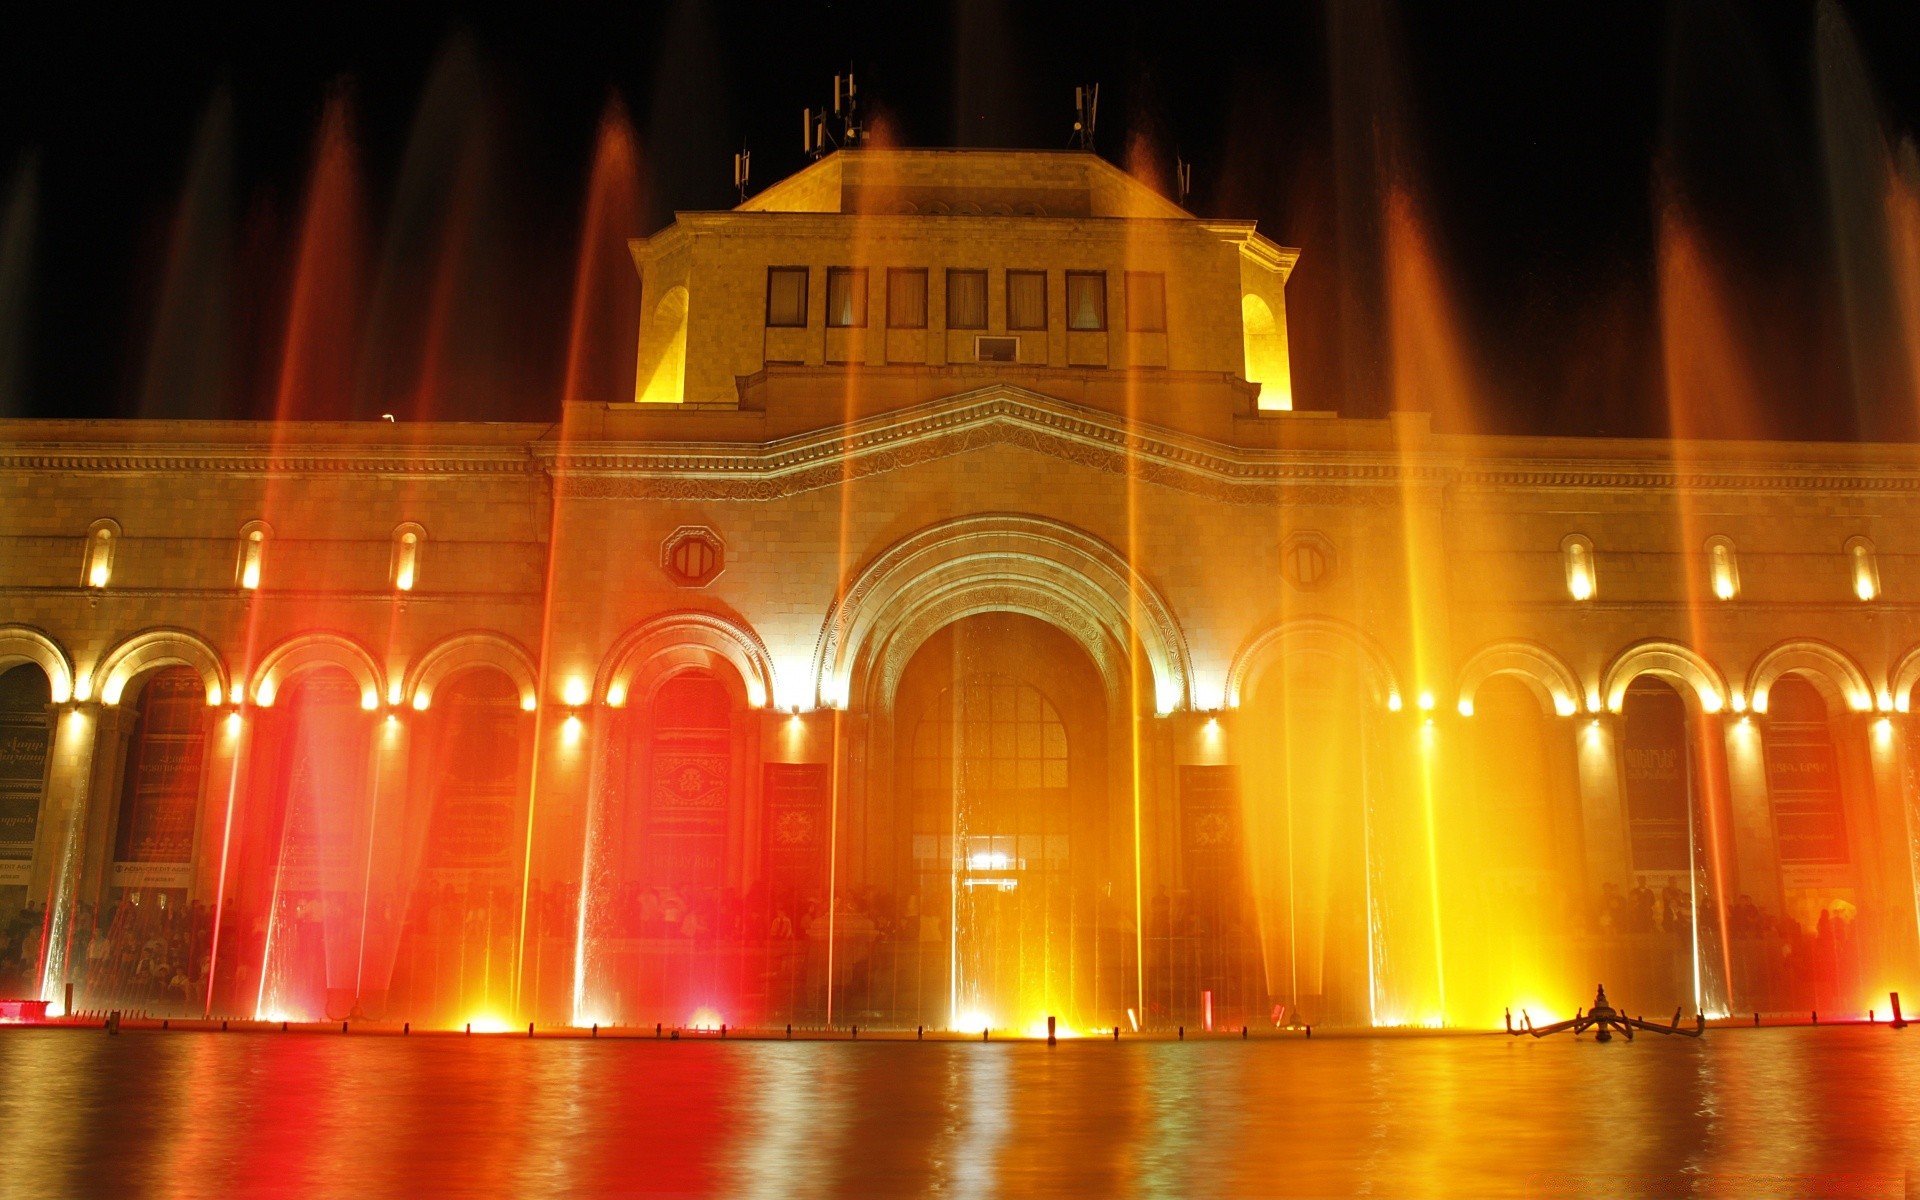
pixel 1664 933
pixel 1819 881
pixel 26 736
pixel 1007 892
pixel 147 940
pixel 1510 864
pixel 306 851
pixel 471 758
pixel 670 925
pixel 1307 732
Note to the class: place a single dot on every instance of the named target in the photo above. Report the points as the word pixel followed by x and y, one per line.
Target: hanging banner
pixel 24 741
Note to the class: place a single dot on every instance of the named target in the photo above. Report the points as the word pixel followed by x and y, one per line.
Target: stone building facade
pixel 957 626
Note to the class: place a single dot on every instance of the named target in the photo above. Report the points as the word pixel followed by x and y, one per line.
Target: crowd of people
pixel 1780 964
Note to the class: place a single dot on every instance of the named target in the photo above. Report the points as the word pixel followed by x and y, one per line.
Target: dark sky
pixel 1536 144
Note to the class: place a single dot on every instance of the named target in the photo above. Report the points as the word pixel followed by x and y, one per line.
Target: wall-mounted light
pixel 574 692
pixel 102 536
pixel 1576 553
pixel 1723 567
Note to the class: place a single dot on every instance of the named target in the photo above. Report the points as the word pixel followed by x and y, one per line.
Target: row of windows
pixel 1145 299
pixel 1723 567
pixel 403 569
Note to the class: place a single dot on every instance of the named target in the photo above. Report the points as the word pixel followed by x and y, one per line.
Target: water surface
pixel 1787 1112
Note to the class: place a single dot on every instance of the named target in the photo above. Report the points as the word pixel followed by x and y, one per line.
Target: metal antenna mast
pixel 817 137
pixel 1086 113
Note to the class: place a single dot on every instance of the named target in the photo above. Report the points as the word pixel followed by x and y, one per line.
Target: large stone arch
pixel 998 562
pixel 308 651
pixel 152 648
pixel 25 644
pixel 474 648
pixel 1544 673
pixel 1668 660
pixel 1903 678
pixel 1313 635
pixel 1837 677
pixel 693 638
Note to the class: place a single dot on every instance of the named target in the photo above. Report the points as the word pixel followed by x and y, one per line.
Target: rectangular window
pixel 1026 299
pixel 906 298
pixel 966 299
pixel 846 297
pixel 996 349
pixel 787 296
pixel 1087 300
pixel 1146 302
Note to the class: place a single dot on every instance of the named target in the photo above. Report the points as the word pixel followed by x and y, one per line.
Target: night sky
pixel 1538 144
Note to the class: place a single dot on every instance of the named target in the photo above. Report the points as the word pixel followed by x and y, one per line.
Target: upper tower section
pixel 928 272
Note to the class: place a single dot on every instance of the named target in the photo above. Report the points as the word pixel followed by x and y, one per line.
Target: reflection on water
pixel 1743 1112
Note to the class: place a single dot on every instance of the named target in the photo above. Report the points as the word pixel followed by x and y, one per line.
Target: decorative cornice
pixel 1003 415
pixel 263 460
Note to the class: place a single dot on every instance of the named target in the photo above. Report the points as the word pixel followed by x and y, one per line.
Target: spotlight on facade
pixel 575 692
pixel 571 730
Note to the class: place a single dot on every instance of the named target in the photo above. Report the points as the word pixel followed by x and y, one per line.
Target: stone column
pixel 1756 850
pixel 1603 804
pixel 63 834
pixel 1895 826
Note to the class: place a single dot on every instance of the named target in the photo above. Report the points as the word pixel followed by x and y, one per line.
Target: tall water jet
pixel 437 320
pixel 1859 178
pixel 18 222
pixel 189 367
pixel 606 291
pixel 320 346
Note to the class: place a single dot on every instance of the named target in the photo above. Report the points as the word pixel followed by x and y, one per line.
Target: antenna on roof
pixel 742 168
pixel 1086 112
pixel 817 138
pixel 1182 178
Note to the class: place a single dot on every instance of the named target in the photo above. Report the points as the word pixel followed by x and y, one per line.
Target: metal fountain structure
pixel 1603 1019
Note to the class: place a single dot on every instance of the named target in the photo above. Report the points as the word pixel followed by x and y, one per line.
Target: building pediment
pixel 994 416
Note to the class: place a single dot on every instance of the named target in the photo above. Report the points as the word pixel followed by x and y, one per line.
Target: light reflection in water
pixel 298 1115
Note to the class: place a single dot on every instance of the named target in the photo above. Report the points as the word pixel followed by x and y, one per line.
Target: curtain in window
pixel 966 299
pixel 787 296
pixel 907 299
pixel 1026 299
pixel 1086 300
pixel 846 296
pixel 1146 301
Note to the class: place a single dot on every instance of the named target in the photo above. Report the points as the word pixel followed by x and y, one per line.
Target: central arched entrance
pixel 1008 854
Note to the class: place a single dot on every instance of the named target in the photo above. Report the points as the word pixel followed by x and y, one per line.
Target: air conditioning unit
pixel 996 349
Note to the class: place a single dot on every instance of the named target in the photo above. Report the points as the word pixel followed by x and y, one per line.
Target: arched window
pixel 1863 566
pixel 1576 551
pixel 1723 567
pixel 97 568
pixel 408 541
pixel 26 733
pixel 1000 748
pixel 253 554
pixel 1803 775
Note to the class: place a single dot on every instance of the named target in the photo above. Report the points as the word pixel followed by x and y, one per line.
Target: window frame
pixel 1127 281
pixel 894 273
pixel 1071 276
pixel 806 297
pixel 1046 316
pixel 985 282
pixel 865 313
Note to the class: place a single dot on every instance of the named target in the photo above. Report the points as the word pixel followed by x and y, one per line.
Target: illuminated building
pixel 959 557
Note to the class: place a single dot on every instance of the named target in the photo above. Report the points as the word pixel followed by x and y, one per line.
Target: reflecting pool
pixel 1769 1112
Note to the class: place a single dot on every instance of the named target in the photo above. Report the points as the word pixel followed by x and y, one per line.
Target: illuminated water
pixel 193 1114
